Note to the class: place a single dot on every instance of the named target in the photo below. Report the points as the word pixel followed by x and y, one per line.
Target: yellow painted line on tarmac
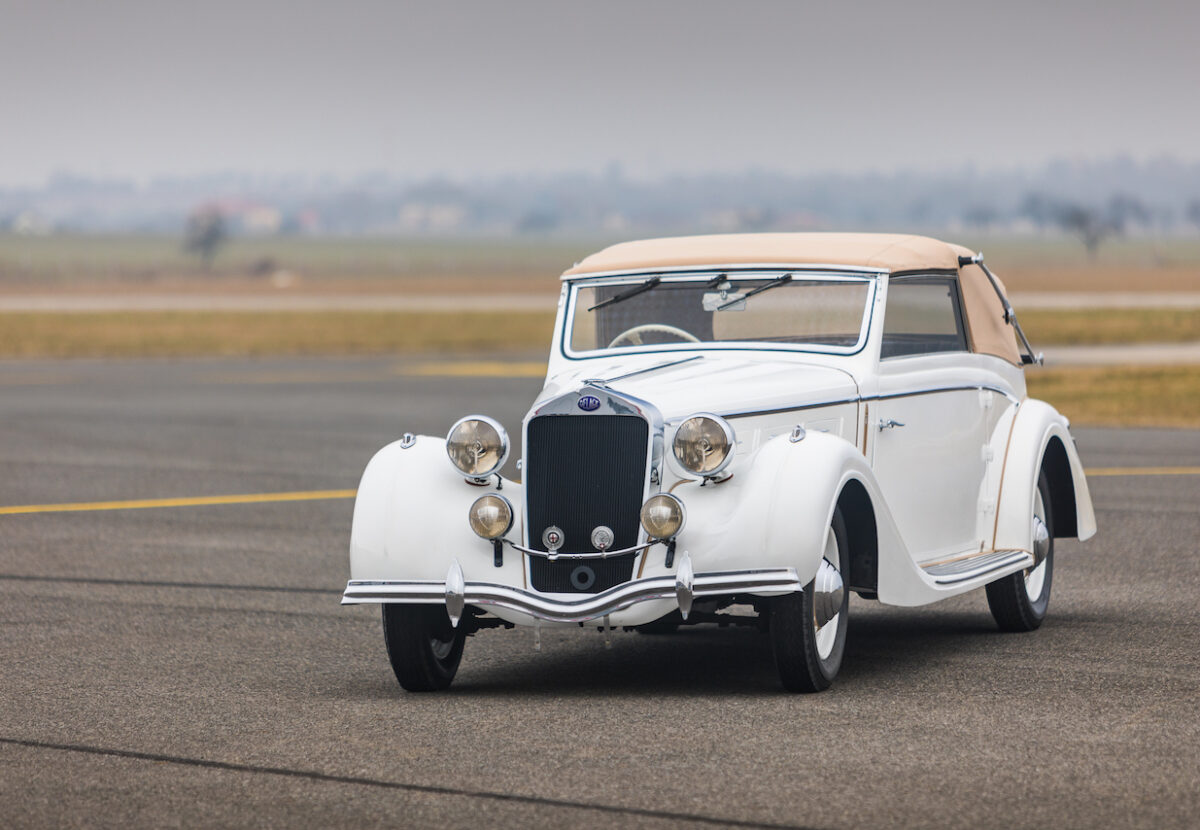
pixel 191 501
pixel 477 369
pixel 1144 471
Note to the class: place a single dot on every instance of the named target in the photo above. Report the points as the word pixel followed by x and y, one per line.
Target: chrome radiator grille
pixel 583 471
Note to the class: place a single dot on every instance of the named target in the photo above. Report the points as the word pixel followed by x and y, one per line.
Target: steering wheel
pixel 634 335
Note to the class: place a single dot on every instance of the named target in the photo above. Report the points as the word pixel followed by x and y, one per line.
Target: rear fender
pixel 1040 436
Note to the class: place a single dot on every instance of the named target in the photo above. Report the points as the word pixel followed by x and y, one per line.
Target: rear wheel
pixel 1019 601
pixel 808 628
pixel 422 645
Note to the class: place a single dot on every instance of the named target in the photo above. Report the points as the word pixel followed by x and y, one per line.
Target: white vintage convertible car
pixel 736 429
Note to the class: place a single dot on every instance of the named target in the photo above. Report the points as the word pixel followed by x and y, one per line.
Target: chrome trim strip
pixel 598 554
pixel 964 388
pixel 971 567
pixel 756 412
pixel 867 399
pixel 431 592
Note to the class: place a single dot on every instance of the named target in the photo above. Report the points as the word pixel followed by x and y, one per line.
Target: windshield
pixel 818 313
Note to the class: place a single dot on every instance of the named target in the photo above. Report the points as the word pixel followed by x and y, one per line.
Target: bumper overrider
pixel 684 586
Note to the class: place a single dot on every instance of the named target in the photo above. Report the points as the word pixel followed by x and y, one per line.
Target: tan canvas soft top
pixel 881 251
pixel 894 253
pixel 986 326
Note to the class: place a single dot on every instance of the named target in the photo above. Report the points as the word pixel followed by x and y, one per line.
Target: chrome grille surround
pixel 610 494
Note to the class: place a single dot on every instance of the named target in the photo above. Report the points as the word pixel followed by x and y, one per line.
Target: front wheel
pixel 808 628
pixel 1019 601
pixel 422 645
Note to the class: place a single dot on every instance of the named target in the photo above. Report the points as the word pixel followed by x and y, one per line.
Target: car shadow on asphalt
pixel 881 646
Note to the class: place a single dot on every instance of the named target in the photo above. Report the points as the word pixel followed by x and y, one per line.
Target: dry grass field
pixel 205 333
pixel 1166 396
pixel 1094 327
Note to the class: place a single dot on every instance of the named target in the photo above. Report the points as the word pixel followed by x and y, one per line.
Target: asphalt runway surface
pixel 191 665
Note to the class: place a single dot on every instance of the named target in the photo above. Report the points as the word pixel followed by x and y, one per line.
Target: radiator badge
pixel 602 538
pixel 589 403
pixel 552 538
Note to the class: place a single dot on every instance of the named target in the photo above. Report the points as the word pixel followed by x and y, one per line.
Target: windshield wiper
pixel 648 285
pixel 775 283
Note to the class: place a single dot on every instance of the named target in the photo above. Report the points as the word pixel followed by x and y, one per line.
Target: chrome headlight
pixel 662 516
pixel 704 444
pixel 477 446
pixel 491 516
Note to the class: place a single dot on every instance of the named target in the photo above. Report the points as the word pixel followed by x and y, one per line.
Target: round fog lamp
pixel 703 444
pixel 491 516
pixel 477 446
pixel 662 516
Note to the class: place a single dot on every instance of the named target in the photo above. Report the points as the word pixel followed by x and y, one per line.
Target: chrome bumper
pixel 684 586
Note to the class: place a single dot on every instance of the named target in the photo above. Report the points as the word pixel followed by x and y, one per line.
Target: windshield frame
pixel 766 273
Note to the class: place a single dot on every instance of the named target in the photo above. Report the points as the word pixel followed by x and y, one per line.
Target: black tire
pixel 794 635
pixel 1008 597
pixel 423 647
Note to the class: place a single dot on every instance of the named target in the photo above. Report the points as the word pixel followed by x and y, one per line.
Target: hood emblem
pixel 589 403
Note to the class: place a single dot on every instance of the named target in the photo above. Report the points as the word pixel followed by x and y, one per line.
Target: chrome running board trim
pixel 432 592
pixel 967 568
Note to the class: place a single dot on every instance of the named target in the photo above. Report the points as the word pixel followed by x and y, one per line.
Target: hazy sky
pixel 137 89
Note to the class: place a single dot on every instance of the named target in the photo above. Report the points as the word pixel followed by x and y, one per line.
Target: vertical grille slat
pixel 583 471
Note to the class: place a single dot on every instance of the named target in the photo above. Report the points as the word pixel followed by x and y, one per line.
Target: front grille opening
pixel 580 576
pixel 583 471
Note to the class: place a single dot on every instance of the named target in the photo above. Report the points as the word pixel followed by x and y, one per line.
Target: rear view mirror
pixel 724 301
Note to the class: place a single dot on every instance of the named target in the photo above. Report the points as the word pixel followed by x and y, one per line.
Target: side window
pixel 923 316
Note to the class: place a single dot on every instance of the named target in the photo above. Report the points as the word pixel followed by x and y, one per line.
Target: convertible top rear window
pixel 824 313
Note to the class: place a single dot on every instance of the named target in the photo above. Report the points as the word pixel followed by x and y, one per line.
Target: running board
pixel 954 571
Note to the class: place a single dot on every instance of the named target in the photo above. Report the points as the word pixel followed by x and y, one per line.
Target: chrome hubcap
pixel 1035 577
pixel 1041 541
pixel 828 593
pixel 441 648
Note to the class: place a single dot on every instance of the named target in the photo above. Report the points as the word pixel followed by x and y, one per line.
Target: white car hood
pixel 719 384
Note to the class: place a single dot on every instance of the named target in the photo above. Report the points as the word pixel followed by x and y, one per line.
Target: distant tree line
pixel 1092 201
pixel 1091 224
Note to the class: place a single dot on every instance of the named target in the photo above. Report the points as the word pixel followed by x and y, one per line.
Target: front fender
pixel 776 509
pixel 1036 425
pixel 410 519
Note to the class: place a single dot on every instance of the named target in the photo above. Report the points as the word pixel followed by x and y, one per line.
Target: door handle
pixel 890 423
